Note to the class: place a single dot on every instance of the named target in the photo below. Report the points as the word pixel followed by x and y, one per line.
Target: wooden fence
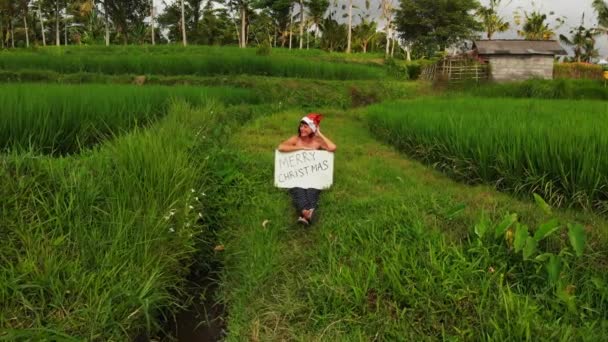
pixel 456 70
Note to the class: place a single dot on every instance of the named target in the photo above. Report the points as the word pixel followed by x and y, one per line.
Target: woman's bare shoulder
pixel 292 140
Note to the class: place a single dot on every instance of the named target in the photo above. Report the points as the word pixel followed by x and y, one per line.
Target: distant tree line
pixel 413 27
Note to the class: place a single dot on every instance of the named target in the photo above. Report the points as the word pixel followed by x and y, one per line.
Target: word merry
pixel 294 160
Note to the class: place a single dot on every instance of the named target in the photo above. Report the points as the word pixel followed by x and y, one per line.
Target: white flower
pixel 167 217
pixel 200 215
pixel 203 194
pixel 191 207
pixel 171 230
pixel 187 224
pixel 196 198
pixel 192 190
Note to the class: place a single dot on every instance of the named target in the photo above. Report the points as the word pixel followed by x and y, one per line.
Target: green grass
pixel 97 246
pixel 63 119
pixel 553 148
pixel 202 62
pixel 394 255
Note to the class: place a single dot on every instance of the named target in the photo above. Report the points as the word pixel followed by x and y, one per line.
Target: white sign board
pixel 304 169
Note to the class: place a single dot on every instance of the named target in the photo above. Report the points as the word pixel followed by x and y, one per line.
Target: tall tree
pixel 491 21
pixel 183 24
pixel 1 30
pixel 152 15
pixel 106 20
pixel 350 25
pixel 244 7
pixel 24 6
pixel 436 25
pixel 39 4
pixel 57 30
pixel 290 24
pixel 301 3
pixel 387 11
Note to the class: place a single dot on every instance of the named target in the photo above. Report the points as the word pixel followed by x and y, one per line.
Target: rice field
pixel 114 196
pixel 554 148
pixel 208 62
pixel 62 119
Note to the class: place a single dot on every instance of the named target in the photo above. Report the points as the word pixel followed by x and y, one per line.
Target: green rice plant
pixel 547 89
pixel 64 119
pixel 218 61
pixel 97 246
pixel 554 148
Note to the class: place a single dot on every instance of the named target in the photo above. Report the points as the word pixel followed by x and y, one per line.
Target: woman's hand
pixel 326 144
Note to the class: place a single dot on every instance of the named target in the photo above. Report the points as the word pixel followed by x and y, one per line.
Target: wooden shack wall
pixel 506 68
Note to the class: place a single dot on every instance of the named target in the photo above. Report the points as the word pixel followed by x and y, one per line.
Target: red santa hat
pixel 313 120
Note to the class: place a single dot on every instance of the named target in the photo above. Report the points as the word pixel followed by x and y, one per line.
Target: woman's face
pixel 305 130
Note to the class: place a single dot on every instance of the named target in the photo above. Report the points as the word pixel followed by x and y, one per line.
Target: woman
pixel 309 138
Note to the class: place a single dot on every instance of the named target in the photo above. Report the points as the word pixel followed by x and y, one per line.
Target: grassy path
pixel 390 257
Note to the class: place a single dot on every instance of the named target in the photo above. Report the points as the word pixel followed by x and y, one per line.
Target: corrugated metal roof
pixel 518 47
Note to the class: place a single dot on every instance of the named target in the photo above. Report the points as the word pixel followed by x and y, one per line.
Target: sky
pixel 572 10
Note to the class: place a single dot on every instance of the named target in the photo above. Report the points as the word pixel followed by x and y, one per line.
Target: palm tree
pixel 316 12
pixel 601 8
pixel 365 33
pixel 582 41
pixel 490 20
pixel 535 27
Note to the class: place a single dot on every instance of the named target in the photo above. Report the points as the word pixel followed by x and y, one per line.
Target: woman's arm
pixel 289 145
pixel 326 144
